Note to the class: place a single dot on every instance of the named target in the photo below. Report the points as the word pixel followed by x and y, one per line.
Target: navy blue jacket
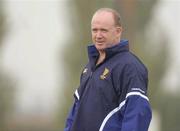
pixel 113 95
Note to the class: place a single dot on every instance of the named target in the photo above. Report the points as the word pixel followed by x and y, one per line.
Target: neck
pixel 101 58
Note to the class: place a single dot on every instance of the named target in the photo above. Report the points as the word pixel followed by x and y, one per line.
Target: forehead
pixel 103 18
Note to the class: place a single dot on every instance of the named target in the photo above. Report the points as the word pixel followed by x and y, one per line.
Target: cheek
pixel 114 35
pixel 110 37
pixel 93 36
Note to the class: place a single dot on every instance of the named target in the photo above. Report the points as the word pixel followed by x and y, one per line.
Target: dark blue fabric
pixel 135 115
pixel 71 115
pixel 105 86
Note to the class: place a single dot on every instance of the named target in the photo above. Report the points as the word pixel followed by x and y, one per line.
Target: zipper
pixel 86 84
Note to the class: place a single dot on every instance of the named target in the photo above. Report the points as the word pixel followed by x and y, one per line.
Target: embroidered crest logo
pixel 105 73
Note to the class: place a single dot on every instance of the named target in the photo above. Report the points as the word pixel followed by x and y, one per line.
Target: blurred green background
pixel 144 27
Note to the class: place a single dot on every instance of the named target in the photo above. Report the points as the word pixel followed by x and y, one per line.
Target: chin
pixel 100 48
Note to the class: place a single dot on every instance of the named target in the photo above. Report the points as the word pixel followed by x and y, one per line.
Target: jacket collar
pixel 93 53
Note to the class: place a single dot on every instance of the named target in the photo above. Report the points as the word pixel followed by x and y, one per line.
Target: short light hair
pixel 116 15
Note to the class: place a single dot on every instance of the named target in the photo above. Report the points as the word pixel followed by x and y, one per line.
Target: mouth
pixel 99 42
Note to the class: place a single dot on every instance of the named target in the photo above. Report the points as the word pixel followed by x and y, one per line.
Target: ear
pixel 118 31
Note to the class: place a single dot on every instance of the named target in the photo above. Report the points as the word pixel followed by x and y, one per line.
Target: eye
pixel 94 30
pixel 104 30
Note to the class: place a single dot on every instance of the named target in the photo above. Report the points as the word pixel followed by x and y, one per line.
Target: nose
pixel 99 34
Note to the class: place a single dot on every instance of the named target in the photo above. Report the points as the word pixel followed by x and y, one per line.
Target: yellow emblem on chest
pixel 105 73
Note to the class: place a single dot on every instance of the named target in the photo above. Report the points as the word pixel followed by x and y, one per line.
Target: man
pixel 112 95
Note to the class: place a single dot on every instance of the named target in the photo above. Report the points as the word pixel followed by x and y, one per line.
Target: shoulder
pixel 130 62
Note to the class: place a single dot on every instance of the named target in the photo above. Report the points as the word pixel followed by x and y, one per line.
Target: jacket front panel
pixel 97 98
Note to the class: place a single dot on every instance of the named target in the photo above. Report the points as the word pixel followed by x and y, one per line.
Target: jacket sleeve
pixel 137 115
pixel 137 111
pixel 71 115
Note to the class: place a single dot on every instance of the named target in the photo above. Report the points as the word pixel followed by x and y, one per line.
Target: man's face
pixel 104 32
